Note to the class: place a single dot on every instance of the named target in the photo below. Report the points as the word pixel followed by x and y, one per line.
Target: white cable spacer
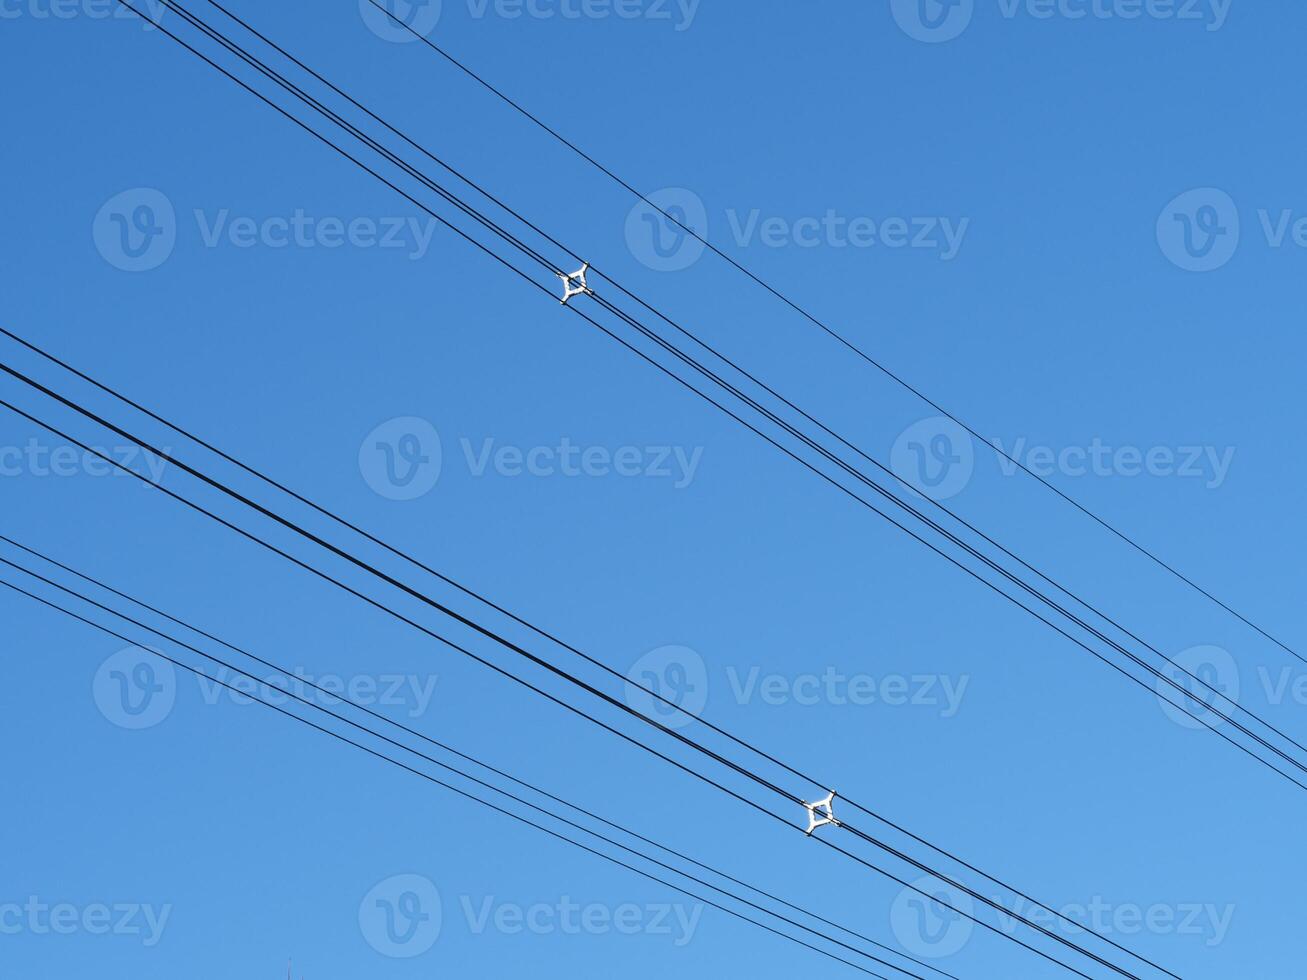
pixel 575 284
pixel 821 813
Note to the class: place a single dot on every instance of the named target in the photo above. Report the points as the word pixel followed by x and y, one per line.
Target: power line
pixel 311 131
pixel 754 805
pixel 536 629
pixel 1183 692
pixel 587 318
pixel 414 733
pixel 474 798
pixel 299 93
pixel 842 339
pixel 484 599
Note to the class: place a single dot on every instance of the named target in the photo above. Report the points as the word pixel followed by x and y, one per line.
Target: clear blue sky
pixel 1103 200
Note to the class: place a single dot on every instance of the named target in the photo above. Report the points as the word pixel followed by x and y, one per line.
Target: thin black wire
pixel 1185 693
pixel 341 553
pixel 478 244
pixel 690 335
pixel 374 174
pixel 404 587
pixel 986 560
pixel 485 785
pixel 389 611
pixel 477 799
pixel 547 635
pixel 448 196
pixel 834 334
pixel 390 580
pixel 855 857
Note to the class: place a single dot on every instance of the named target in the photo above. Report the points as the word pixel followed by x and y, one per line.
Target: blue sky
pixel 1077 225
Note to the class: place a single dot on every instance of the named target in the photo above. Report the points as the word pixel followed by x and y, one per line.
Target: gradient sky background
pixel 1069 312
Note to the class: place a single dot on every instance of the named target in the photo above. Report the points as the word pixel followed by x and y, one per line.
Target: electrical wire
pixel 485 785
pixel 1160 676
pixel 752 804
pixel 275 106
pixel 842 339
pixel 547 635
pixel 685 332
pixel 468 796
